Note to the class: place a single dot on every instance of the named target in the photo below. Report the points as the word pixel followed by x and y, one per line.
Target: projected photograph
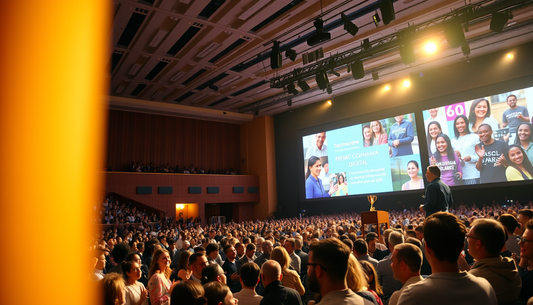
pixel 358 159
pixel 484 140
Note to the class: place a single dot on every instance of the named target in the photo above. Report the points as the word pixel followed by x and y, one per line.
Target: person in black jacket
pixel 275 293
pixel 438 195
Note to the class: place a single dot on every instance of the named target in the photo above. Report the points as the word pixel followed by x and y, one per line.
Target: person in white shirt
pixel 319 149
pixel 406 263
pixel 249 278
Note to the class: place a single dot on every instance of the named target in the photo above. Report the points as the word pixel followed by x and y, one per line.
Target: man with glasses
pixel 327 268
pixel 197 261
pixel 526 257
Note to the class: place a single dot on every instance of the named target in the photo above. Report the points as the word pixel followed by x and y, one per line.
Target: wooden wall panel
pixel 145 138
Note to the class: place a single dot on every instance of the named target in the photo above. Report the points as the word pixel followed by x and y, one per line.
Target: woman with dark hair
pixel 313 184
pixel 416 182
pixel 217 293
pixel 373 285
pixel 464 144
pixel 188 293
pixel 136 293
pixel 480 114
pixel 379 136
pixel 520 167
pixel 213 273
pixel 524 138
pixel 447 161
pixel 434 129
pixel 341 185
pixel 184 270
pixel 159 284
pixel 367 136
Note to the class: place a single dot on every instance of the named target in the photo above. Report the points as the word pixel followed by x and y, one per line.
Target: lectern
pixel 375 217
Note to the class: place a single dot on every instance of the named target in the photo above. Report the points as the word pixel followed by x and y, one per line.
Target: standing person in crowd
pixel 313 184
pixel 464 144
pixel 230 268
pixel 384 270
pixel 485 242
pixel 113 289
pixel 480 114
pixel 406 262
pixel 372 280
pixel 136 257
pixel 447 161
pixel 248 257
pixel 290 278
pixel 524 138
pixel 303 256
pixel 136 293
pixel 520 167
pixel 434 129
pixel 526 262
pixel 360 251
pixel 490 154
pixel 211 252
pixel 249 279
pixel 159 285
pixel 184 269
pixel 510 224
pixel 356 280
pixel 197 263
pixel 318 149
pixel 379 136
pixel 188 293
pixel 400 137
pixel 444 236
pixel 219 294
pixel 295 261
pixel 416 182
pixel 213 273
pixel 267 249
pixel 367 136
pixel 275 293
pixel 120 251
pixel 512 117
pixel 438 195
pixel 98 270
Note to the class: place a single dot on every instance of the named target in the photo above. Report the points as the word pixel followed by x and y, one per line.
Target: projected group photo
pixel 373 157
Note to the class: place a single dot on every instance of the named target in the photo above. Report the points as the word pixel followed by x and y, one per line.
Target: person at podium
pixel 438 195
pixel 313 184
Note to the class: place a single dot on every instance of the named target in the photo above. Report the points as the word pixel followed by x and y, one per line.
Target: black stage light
pixel 358 71
pixel 407 53
pixel 322 80
pixel 376 19
pixel 387 11
pixel 454 35
pixel 349 26
pixel 329 89
pixel 366 44
pixel 375 76
pixel 291 88
pixel 289 102
pixel 275 56
pixel 498 21
pixel 466 49
pixel 290 53
pixel 320 36
pixel 303 85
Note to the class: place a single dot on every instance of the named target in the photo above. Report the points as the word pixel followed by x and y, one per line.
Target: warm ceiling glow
pixel 180 206
pixel 406 83
pixel 430 47
pixel 386 88
pixel 329 102
pixel 510 55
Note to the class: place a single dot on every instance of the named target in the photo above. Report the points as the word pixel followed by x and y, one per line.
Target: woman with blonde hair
pixel 290 278
pixel 356 280
pixel 373 285
pixel 114 289
pixel 159 285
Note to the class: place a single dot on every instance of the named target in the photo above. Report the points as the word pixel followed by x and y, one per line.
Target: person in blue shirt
pixel 400 137
pixel 313 184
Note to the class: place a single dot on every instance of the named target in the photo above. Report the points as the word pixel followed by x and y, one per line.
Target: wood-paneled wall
pixel 145 138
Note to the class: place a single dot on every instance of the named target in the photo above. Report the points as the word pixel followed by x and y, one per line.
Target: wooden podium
pixel 374 217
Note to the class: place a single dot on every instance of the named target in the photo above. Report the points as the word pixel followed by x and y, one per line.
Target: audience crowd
pixel 191 169
pixel 472 255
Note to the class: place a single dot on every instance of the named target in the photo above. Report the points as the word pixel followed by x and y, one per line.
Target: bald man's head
pixel 270 272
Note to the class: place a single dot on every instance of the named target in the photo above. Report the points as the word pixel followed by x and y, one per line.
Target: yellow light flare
pixel 329 102
pixel 430 47
pixel 407 83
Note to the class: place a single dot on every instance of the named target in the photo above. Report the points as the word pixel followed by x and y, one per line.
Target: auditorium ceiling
pixel 212 59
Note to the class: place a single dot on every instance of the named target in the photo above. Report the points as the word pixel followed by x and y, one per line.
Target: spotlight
pixel 387 11
pixel 430 47
pixel 303 85
pixel 329 102
pixel 366 44
pixel 454 35
pixel 290 53
pixel 291 88
pixel 213 87
pixel 320 36
pixel 349 26
pixel 510 55
pixel 498 21
pixel 376 19
pixel 358 71
pixel 407 83
pixel 375 76
pixel 466 49
pixel 322 80
pixel 386 88
pixel 407 53
pixel 275 56
pixel 329 90
pixel 289 102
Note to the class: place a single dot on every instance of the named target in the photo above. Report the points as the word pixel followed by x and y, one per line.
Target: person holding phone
pixel 313 184
pixel 341 185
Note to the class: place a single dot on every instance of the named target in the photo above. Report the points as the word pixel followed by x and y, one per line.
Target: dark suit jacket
pixel 380 254
pixel 277 294
pixel 438 197
pixel 304 257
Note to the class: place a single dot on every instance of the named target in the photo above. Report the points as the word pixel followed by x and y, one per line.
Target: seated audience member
pixel 290 278
pixel 444 236
pixel 213 273
pixel 525 268
pixel 384 270
pixel 295 262
pixel 248 257
pixel 372 280
pixel 360 250
pixel 372 241
pixel 230 268
pixel 510 224
pixel 188 293
pixel 275 293
pixel 98 270
pixel 267 249
pixel 120 252
pixel 356 280
pixel 197 263
pixel 298 243
pixel 414 241
pixel 113 289
pixel 406 262
pixel 136 293
pixel 219 294
pixel 328 264
pixel 249 278
pixel 485 241
pixel 159 285
pixel 184 269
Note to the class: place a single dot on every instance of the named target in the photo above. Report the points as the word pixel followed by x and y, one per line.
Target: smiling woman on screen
pixel 313 184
